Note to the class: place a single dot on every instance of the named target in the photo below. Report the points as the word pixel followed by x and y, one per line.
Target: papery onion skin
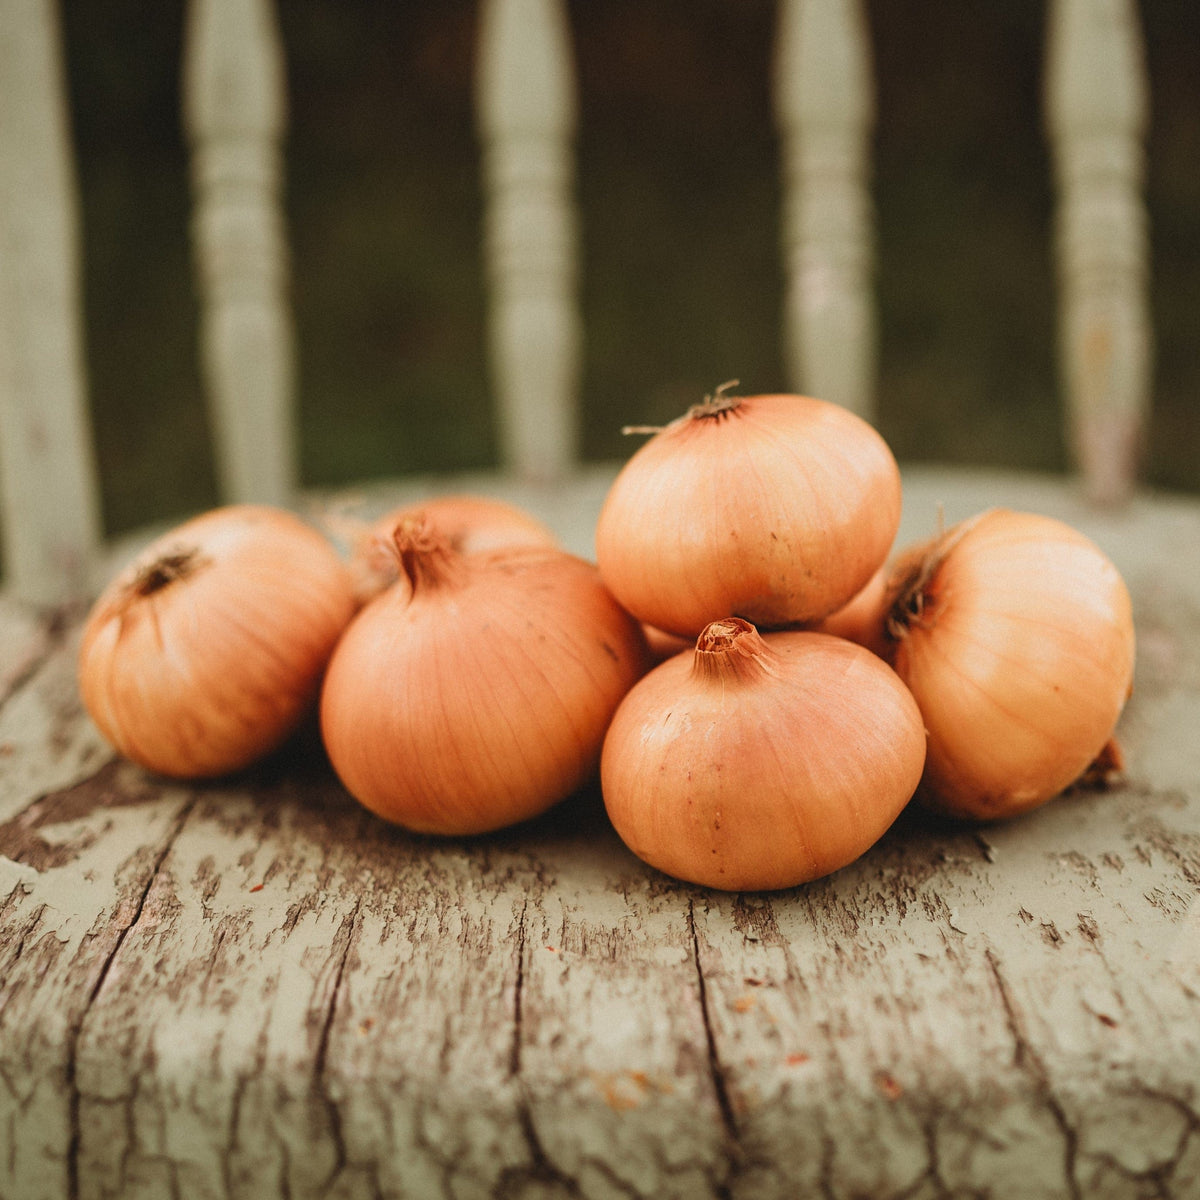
pixel 479 696
pixel 777 508
pixel 473 524
pixel 1021 658
pixel 206 652
pixel 764 763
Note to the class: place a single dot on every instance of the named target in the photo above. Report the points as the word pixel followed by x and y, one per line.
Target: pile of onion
pixel 774 508
pixel 1015 634
pixel 477 691
pixel 471 673
pixel 761 761
pixel 207 651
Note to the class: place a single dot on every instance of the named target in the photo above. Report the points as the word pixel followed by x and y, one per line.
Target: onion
pixel 472 524
pixel 861 619
pixel 774 508
pixel 477 695
pixel 207 651
pixel 761 761
pixel 665 645
pixel 1015 634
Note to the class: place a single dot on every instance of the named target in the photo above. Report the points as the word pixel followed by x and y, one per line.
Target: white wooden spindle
pixel 50 499
pixel 824 103
pixel 526 112
pixel 1096 109
pixel 234 103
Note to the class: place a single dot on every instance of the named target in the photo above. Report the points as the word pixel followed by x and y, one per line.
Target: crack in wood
pixel 14 957
pixel 442 1161
pixel 514 1057
pixel 932 1174
pixel 540 1168
pixel 1160 1174
pixel 611 1178
pixel 826 1169
pixel 285 1171
pixel 75 1033
pixel 724 1103
pixel 320 1072
pixel 1027 1059
pixel 235 1116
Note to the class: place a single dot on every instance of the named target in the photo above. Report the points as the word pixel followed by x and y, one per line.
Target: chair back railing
pixel 234 115
pixel 49 495
pixel 235 111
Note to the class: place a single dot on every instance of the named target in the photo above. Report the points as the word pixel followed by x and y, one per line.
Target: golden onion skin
pixel 1019 647
pixel 478 696
pixel 207 651
pixel 776 508
pixel 764 764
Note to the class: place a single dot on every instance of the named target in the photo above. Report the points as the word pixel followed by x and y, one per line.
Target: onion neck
pixel 425 555
pixel 712 408
pixel 170 567
pixel 910 596
pixel 731 651
pixel 717 406
pixel 912 586
pixel 166 569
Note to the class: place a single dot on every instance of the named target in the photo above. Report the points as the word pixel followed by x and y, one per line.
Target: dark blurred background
pixel 679 197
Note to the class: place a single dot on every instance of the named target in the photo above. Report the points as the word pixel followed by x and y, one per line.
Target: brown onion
pixel 1015 633
pixel 477 695
pixel 774 508
pixel 665 645
pixel 761 761
pixel 861 619
pixel 207 651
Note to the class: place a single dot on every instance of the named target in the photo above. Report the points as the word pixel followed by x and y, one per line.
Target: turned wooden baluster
pixel 1096 108
pixel 50 499
pixel 234 102
pixel 824 108
pixel 526 114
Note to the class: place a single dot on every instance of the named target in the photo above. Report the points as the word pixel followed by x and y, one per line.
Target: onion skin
pixel 776 508
pixel 1015 634
pixel 862 619
pixel 478 696
pixel 759 762
pixel 473 524
pixel 205 653
pixel 665 645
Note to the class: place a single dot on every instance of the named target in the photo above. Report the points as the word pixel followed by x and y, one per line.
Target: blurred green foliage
pixel 679 201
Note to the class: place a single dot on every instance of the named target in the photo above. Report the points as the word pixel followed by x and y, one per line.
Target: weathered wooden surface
pixel 255 989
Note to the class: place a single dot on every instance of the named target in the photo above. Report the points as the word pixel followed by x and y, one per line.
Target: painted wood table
pixel 253 988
